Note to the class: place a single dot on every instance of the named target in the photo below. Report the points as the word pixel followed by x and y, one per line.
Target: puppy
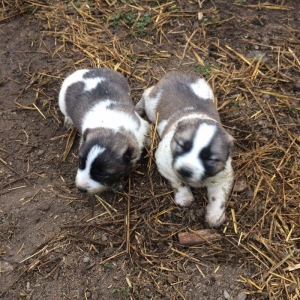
pixel 194 149
pixel 97 102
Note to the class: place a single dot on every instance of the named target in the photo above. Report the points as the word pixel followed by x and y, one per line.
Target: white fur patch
pixel 150 104
pixel 83 179
pixel 77 76
pixel 91 83
pixel 101 116
pixel 161 127
pixel 202 89
pixel 73 78
pixel 195 116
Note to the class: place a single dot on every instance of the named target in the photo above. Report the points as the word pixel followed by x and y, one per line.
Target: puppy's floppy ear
pixel 127 156
pixel 230 140
pixel 85 133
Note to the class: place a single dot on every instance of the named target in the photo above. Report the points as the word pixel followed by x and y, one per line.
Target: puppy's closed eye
pixel 211 162
pixel 183 146
pixel 208 156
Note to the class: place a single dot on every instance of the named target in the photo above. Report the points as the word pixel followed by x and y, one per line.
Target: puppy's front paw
pixel 215 220
pixel 215 213
pixel 184 196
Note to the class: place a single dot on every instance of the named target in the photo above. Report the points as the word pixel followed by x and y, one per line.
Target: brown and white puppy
pixel 98 103
pixel 194 150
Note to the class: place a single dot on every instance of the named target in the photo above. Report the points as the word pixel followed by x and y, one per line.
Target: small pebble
pixel 40 152
pixel 27 195
pixel 88 294
pixel 240 186
pixel 6 267
pixel 86 260
pixel 120 188
pixel 296 87
pixel 226 295
pixel 104 237
pixel 44 206
pixel 265 40
pixel 241 296
pixel 256 55
pixel 36 219
pixel 266 96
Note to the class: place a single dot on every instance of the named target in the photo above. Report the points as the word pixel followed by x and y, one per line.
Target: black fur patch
pixel 110 165
pixel 208 163
pixel 213 162
pixel 82 162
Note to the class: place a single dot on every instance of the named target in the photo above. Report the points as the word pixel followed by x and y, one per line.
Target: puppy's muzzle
pixel 185 172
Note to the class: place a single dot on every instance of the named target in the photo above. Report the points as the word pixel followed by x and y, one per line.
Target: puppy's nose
pixel 82 190
pixel 185 172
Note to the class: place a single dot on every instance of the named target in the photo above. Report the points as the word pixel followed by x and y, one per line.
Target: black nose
pixel 185 172
pixel 82 190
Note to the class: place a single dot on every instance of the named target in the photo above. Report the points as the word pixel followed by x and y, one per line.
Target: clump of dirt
pixel 59 244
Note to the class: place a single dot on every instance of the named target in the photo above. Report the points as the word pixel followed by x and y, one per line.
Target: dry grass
pixel 257 106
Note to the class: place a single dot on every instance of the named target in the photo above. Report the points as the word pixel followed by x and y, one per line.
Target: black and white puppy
pixel 98 103
pixel 194 149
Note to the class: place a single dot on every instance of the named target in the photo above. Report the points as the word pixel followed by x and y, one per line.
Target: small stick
pixel 127 224
pixel 198 237
pixel 22 177
pixel 39 111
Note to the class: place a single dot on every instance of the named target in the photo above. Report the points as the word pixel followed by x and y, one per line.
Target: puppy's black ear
pixel 86 132
pixel 127 156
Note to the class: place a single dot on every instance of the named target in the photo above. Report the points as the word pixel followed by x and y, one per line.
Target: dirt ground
pixel 56 243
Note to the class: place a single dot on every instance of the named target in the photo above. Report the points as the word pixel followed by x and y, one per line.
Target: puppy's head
pixel 104 157
pixel 200 149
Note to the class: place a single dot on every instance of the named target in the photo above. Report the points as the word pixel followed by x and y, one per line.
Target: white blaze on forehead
pixel 202 89
pixel 93 153
pixel 91 83
pixel 102 116
pixel 83 176
pixel 203 136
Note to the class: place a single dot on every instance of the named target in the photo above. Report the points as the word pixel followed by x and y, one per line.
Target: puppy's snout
pixel 82 190
pixel 185 172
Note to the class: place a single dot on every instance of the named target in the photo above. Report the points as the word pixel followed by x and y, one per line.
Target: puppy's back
pixel 83 89
pixel 180 92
